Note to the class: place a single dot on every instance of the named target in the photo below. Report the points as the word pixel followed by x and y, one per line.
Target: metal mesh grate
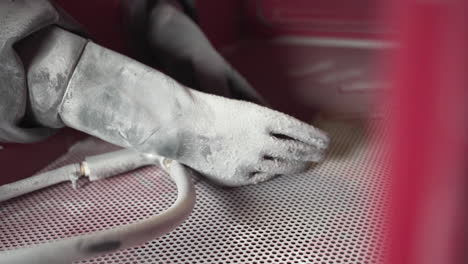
pixel 335 213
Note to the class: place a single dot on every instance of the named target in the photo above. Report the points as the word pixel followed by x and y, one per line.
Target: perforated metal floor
pixel 335 213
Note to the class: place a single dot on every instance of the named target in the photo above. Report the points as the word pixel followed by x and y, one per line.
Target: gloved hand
pixel 229 141
pixel 164 37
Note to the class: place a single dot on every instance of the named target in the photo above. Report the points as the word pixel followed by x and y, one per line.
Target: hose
pixel 118 238
pixel 94 167
pixel 40 181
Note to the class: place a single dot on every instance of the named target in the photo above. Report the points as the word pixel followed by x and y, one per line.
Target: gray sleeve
pixel 32 77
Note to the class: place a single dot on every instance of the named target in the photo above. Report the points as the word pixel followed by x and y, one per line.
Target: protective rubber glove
pixel 164 37
pixel 231 142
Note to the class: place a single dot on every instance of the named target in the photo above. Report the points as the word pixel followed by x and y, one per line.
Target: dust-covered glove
pixel 231 142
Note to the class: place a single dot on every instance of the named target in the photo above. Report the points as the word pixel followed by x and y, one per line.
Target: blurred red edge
pixel 429 132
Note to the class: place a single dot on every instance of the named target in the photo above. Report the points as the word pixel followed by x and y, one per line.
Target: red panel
pixel 299 79
pixel 306 13
pixel 357 18
pixel 430 131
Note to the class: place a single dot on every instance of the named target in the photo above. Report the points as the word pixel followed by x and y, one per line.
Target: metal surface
pixel 335 213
